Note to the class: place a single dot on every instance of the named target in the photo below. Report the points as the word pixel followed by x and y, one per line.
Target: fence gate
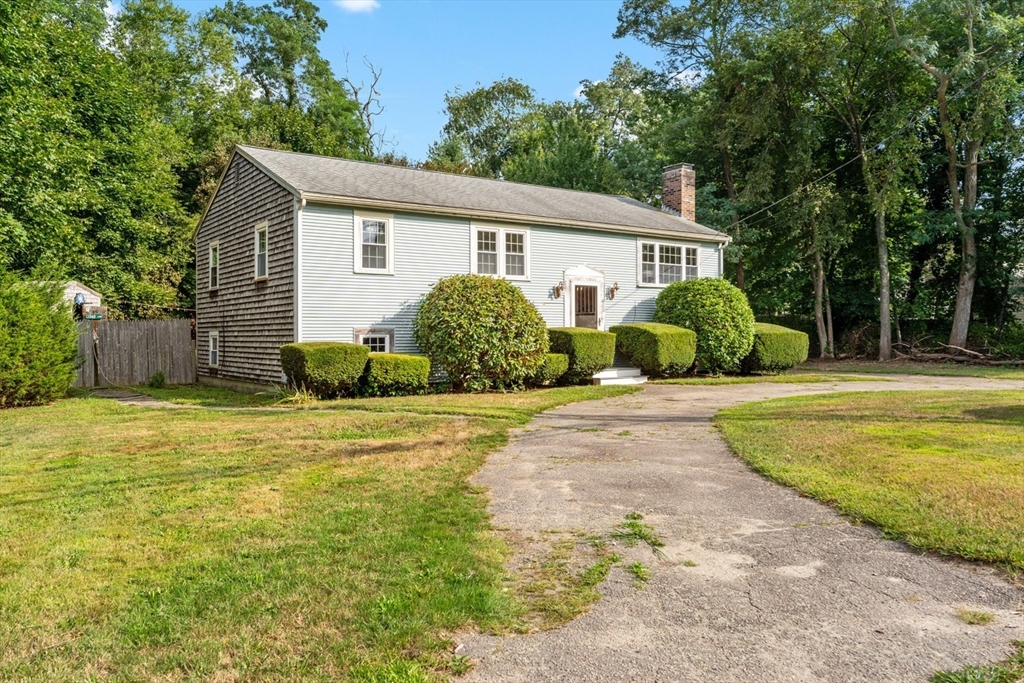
pixel 126 352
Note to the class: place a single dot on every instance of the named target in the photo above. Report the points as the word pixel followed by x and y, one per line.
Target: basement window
pixel 377 339
pixel 214 349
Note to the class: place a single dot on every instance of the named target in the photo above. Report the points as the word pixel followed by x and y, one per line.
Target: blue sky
pixel 428 47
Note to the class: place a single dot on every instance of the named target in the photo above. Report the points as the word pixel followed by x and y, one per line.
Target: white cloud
pixel 112 9
pixel 354 6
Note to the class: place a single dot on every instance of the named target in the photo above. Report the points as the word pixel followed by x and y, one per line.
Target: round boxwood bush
pixel 395 374
pixel 718 312
pixel 776 349
pixel 555 365
pixel 482 331
pixel 38 343
pixel 589 351
pixel 327 369
pixel 656 348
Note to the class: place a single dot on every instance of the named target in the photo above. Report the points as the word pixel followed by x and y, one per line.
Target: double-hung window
pixel 214 349
pixel 262 250
pixel 214 270
pixel 374 241
pixel 504 252
pixel 662 264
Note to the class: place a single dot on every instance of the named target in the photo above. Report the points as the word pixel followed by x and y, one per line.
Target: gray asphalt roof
pixel 344 178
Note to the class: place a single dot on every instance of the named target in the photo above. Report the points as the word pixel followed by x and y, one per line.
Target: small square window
pixel 262 251
pixel 378 343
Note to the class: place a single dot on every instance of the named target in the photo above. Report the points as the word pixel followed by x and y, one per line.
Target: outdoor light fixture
pixel 611 292
pixel 558 290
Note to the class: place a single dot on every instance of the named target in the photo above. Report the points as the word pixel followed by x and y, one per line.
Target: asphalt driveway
pixel 757 583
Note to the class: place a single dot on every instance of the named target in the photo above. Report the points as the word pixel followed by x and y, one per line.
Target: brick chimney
pixel 678 190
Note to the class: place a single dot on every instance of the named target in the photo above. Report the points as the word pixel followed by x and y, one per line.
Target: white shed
pixel 92 297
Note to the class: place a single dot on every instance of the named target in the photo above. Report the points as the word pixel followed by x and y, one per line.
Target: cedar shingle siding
pixel 253 318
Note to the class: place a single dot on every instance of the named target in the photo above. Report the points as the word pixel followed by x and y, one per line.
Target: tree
pixel 971 50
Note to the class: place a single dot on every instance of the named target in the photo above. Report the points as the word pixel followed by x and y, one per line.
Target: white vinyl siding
pixel 335 301
pixel 261 248
pixel 502 251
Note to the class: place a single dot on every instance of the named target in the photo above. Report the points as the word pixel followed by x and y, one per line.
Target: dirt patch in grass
pixel 943 471
pixel 326 544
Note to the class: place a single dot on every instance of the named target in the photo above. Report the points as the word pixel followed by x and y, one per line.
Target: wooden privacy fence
pixel 126 352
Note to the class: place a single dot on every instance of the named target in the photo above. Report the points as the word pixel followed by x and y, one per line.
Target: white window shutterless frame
pixel 262 251
pixel 374 238
pixel 214 360
pixel 500 251
pixel 660 264
pixel 214 265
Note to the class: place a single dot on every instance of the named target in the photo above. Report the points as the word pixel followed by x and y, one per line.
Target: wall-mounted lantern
pixel 558 290
pixel 613 290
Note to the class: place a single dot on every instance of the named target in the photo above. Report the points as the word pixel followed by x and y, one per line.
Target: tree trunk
pixel 819 297
pixel 828 319
pixel 884 323
pixel 730 191
pixel 968 247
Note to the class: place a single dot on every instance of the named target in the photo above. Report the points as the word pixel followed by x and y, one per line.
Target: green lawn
pixel 142 544
pixel 943 471
pixel 913 368
pixel 790 378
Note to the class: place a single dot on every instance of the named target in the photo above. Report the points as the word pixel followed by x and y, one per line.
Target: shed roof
pixel 330 179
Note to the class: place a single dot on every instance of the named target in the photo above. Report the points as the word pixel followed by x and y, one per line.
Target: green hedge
pixel 555 365
pixel 776 349
pixel 38 343
pixel 589 350
pixel 395 374
pixel 718 312
pixel 657 348
pixel 327 369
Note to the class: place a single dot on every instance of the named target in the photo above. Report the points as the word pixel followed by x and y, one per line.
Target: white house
pixel 296 247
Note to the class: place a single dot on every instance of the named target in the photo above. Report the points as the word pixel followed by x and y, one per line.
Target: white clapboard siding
pixel 334 300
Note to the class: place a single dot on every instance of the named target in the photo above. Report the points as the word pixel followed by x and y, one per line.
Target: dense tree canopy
pixel 866 157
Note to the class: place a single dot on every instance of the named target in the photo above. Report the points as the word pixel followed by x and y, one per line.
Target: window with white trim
pixel 374 244
pixel 214 349
pixel 379 340
pixel 504 252
pixel 262 250
pixel 214 264
pixel 663 264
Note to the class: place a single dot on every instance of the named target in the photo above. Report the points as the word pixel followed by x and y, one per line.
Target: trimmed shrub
pixel 327 369
pixel 38 343
pixel 555 365
pixel 482 331
pixel 718 312
pixel 776 349
pixel 395 374
pixel 589 350
pixel 656 348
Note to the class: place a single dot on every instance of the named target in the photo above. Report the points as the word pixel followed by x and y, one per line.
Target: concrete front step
pixel 619 375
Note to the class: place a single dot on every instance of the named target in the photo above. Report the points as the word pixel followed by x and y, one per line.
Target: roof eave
pixel 504 216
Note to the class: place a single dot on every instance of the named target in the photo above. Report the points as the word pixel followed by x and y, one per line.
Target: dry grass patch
pixel 943 471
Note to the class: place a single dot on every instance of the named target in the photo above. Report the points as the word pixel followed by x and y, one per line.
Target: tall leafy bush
pixel 482 331
pixel 38 343
pixel 718 312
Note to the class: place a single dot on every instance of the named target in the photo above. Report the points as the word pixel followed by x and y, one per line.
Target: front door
pixel 585 314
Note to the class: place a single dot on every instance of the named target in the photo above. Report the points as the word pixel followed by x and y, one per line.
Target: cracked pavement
pixel 756 581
